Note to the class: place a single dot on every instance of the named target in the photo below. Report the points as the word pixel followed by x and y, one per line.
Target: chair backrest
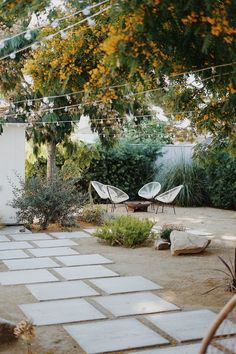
pixel 150 190
pixel 101 189
pixel 170 195
pixel 116 195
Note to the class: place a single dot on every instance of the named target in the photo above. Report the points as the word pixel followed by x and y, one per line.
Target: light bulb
pixel 28 36
pixel 55 24
pixel 63 34
pixel 35 45
pixel 86 11
pixel 45 100
pixel 13 55
pixel 91 22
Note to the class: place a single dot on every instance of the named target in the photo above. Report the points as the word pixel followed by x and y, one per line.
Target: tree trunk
pixel 51 160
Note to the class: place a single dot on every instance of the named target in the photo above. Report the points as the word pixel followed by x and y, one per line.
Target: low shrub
pixel 43 203
pixel 125 231
pixel 95 214
pixel 167 229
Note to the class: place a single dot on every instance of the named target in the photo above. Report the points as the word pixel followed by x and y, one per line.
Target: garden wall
pixel 12 163
pixel 173 154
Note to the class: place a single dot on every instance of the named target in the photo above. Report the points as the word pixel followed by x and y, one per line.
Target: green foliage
pixel 125 231
pixel 167 229
pixel 126 166
pixel 230 272
pixel 37 201
pixel 95 214
pixel 193 178
pixel 220 167
pixel 148 131
pixel 37 168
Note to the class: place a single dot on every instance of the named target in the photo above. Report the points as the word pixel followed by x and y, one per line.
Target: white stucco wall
pixel 12 163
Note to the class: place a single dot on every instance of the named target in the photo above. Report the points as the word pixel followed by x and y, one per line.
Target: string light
pixel 128 96
pixel 54 24
pixel 36 44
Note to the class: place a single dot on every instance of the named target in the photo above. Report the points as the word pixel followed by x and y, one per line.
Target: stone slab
pixel 14 245
pixel 84 259
pixel 12 254
pixel 61 311
pixel 52 252
pixel 61 290
pixel 134 304
pixel 75 234
pixel 189 325
pixel 30 263
pixel 92 230
pixel 113 335
pixel 181 349
pixel 8 230
pixel 85 272
pixel 124 284
pixel 26 277
pixel 228 343
pixel 55 243
pixel 30 237
pixel 4 238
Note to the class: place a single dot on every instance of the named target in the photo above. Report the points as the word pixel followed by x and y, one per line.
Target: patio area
pixel 101 296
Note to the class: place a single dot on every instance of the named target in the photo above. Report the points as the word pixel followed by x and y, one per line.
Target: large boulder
pixel 184 243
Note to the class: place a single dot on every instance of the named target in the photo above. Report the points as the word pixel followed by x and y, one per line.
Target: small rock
pixel 161 245
pixel 184 243
pixel 155 229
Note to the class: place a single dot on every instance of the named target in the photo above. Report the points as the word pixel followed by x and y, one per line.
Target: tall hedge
pixel 220 168
pixel 126 166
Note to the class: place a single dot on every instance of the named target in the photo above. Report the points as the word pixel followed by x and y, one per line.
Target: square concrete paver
pixel 75 234
pixel 26 277
pixel 85 272
pixel 9 230
pixel 91 231
pixel 61 311
pixel 228 343
pixel 31 237
pixel 61 290
pixel 113 335
pixel 189 325
pixel 55 243
pixel 51 252
pixel 182 349
pixel 125 284
pixel 30 263
pixel 3 238
pixel 14 245
pixel 12 254
pixel 134 304
pixel 84 259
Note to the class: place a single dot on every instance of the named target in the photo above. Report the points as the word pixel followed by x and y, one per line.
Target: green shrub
pixel 125 231
pixel 193 179
pixel 42 203
pixel 220 167
pixel 125 166
pixel 95 214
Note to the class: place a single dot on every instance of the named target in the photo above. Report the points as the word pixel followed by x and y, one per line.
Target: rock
pixel 7 331
pixel 155 229
pixel 184 243
pixel 161 245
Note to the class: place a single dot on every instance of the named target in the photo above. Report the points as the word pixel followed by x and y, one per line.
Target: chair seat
pixel 150 190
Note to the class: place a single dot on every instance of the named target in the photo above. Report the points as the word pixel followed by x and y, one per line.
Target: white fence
pixel 12 163
pixel 172 154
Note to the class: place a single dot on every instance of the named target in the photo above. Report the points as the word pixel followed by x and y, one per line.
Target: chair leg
pixel 157 208
pixel 174 209
pixel 162 208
